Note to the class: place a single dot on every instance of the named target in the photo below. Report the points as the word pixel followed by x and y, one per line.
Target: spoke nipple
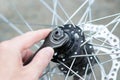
pixel 79 30
pixel 72 32
pixel 90 46
pixel 63 59
pixel 83 68
pixel 91 57
pixel 70 26
pixel 76 35
pixel 55 54
pixel 62 68
pixel 81 40
pixel 75 52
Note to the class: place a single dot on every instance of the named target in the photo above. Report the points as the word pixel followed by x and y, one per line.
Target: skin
pixel 14 52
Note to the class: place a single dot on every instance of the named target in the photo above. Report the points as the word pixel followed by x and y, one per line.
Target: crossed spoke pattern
pixel 101 45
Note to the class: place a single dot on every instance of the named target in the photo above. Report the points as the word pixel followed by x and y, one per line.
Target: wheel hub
pixel 73 46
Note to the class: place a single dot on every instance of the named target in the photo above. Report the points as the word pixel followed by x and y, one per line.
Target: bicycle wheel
pixel 99 20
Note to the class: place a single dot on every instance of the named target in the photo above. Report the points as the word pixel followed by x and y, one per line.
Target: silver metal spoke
pixel 11 24
pixel 90 12
pixel 21 17
pixel 54 19
pixel 107 61
pixel 90 64
pixel 103 18
pixel 100 54
pixel 70 68
pixel 108 45
pixel 98 45
pixel 65 12
pixel 84 15
pixel 98 32
pixel 47 71
pixel 113 21
pixel 99 50
pixel 85 75
pixel 76 11
pixel 85 21
pixel 51 10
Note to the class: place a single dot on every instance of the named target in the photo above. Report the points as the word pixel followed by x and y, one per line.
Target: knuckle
pixel 4 45
pixel 30 32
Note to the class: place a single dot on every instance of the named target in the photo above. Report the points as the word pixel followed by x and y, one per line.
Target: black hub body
pixel 68 41
pixel 73 47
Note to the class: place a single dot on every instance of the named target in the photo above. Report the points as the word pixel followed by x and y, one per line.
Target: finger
pixel 26 54
pixel 40 61
pixel 27 40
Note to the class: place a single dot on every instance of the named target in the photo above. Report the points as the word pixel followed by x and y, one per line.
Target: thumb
pixel 40 61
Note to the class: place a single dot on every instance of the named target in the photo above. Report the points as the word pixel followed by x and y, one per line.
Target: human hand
pixel 14 52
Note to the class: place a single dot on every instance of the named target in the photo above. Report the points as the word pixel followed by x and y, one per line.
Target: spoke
pixel 55 71
pixel 100 54
pixel 110 60
pixel 99 51
pixel 113 21
pixel 13 26
pixel 10 24
pixel 90 64
pixel 48 75
pixel 106 43
pixel 115 26
pixel 51 10
pixel 48 71
pixel 55 6
pixel 65 12
pixel 111 32
pixel 103 41
pixel 107 38
pixel 90 38
pixel 86 41
pixel 89 76
pixel 103 18
pixel 90 12
pixel 85 75
pixel 70 68
pixel 21 17
pixel 83 16
pixel 54 19
pixel 76 11
pixel 109 47
pixel 33 24
pixel 85 21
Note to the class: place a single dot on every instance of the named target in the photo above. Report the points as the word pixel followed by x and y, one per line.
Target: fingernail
pixel 49 50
